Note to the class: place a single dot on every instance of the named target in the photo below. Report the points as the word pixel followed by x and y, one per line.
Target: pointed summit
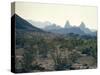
pixel 82 25
pixel 67 24
pixel 84 28
pixel 22 24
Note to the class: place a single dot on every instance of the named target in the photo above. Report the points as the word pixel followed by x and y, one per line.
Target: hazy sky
pixel 58 13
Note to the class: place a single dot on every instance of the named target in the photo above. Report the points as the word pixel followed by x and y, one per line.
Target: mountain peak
pixel 67 24
pixel 22 24
pixel 15 15
pixel 82 25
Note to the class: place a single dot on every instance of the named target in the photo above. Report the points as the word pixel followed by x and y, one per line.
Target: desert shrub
pixel 60 59
pixel 86 51
pixel 73 56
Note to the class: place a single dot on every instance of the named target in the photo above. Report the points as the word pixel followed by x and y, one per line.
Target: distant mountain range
pixel 40 24
pixel 29 25
pixel 24 28
pixel 82 29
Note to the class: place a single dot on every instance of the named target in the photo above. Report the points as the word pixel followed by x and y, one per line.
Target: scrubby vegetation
pixel 44 53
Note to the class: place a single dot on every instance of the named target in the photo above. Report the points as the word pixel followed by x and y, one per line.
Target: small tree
pixel 73 56
pixel 60 59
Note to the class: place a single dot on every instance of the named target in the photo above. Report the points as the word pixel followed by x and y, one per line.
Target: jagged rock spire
pixel 67 24
pixel 82 25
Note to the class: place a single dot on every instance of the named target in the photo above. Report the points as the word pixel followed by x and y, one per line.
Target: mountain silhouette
pixel 67 29
pixel 67 25
pixel 22 24
pixel 82 29
pixel 75 30
pixel 52 27
pixel 86 30
pixel 82 25
pixel 39 24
